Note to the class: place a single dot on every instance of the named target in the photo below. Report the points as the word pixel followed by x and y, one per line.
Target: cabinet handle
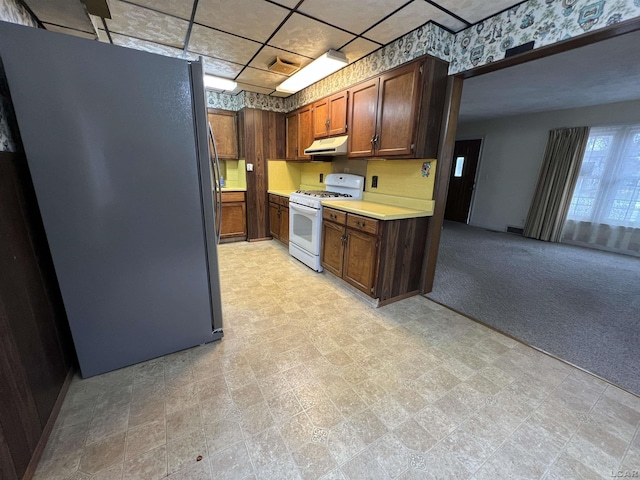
pixel 361 224
pixel 333 216
pixel 327 123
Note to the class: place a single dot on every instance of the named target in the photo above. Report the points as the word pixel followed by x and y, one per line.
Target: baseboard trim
pixel 48 428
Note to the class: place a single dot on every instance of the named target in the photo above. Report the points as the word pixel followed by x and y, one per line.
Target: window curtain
pixel 560 169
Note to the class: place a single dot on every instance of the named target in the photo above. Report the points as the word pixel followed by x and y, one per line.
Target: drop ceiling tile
pixel 248 18
pixel 287 3
pixel 409 18
pixel 268 54
pixel 344 15
pixel 359 48
pixel 309 37
pixel 146 24
pixel 475 10
pixel 214 43
pixel 252 88
pixel 253 76
pixel 215 66
pixel 69 14
pixel 69 31
pixel 145 46
pixel 102 36
pixel 180 8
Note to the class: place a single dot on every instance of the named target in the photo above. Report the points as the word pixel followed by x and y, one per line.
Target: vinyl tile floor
pixel 311 382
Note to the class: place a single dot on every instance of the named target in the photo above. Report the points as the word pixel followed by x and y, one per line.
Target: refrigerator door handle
pixel 217 197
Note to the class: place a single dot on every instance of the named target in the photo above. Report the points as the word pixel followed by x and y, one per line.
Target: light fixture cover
pixel 218 83
pixel 321 67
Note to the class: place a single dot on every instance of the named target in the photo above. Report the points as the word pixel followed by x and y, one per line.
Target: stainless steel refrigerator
pixel 117 145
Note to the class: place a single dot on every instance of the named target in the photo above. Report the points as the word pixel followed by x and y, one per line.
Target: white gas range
pixel 305 215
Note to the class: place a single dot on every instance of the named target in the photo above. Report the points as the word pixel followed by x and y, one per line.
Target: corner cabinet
pixel 279 218
pixel 381 258
pixel 299 129
pixel 234 217
pixel 398 114
pixel 224 124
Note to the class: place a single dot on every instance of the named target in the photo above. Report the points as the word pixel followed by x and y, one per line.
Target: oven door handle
pixel 304 209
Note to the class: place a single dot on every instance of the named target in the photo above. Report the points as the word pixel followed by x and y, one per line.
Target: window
pixel 459 167
pixel 608 187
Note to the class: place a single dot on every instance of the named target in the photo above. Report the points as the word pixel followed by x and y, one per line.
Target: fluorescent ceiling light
pixel 217 83
pixel 321 67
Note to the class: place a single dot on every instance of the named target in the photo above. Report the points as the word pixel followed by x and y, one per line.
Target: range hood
pixel 328 147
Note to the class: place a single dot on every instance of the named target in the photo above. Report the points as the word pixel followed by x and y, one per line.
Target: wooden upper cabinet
pixel 338 113
pixel 330 115
pixel 224 124
pixel 362 118
pixel 305 131
pixel 397 116
pixel 321 118
pixel 385 113
pixel 291 151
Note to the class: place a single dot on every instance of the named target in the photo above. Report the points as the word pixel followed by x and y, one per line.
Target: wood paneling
pixel 445 160
pixel 35 347
pixel 434 88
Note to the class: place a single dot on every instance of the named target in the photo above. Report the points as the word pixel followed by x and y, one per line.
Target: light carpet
pixel 579 304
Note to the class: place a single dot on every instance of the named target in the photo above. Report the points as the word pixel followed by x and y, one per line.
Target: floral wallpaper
pixel 10 11
pixel 429 39
pixel 541 21
pixel 246 99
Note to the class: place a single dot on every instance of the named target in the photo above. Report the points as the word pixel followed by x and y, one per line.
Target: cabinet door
pixel 362 118
pixel 225 131
pixel 274 220
pixel 321 118
pixel 338 113
pixel 332 249
pixel 305 132
pixel 398 102
pixel 360 261
pixel 284 225
pixel 234 220
pixel 291 120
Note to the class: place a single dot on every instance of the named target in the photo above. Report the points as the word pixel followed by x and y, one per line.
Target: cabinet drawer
pixel 334 215
pixel 232 197
pixel 284 201
pixel 274 198
pixel 365 224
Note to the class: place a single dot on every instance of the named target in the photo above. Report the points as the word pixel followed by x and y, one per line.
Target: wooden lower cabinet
pixel 381 258
pixel 279 218
pixel 234 217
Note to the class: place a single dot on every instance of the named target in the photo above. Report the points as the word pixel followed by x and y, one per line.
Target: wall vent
pixel 283 67
pixel 516 230
pixel 525 47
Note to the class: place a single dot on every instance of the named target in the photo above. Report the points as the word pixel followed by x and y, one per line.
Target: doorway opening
pixel 462 180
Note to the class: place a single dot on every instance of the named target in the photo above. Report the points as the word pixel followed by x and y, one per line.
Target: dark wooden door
pixel 360 261
pixel 332 250
pixel 291 120
pixel 284 225
pixel 397 111
pixel 305 131
pixel 338 113
pixel 462 180
pixel 321 118
pixel 362 118
pixel 274 219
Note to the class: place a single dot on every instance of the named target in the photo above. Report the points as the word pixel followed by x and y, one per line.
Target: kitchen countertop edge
pixel 380 211
pixel 282 193
pixel 233 189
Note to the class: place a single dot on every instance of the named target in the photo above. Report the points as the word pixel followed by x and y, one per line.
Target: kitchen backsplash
pixel 541 21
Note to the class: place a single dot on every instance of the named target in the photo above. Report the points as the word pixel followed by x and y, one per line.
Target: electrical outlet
pixel 374 181
pixel 321 177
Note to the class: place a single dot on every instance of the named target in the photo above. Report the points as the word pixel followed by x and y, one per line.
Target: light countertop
pixel 233 189
pixel 283 193
pixel 380 211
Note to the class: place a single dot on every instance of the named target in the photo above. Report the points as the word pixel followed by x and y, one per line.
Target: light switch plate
pixel 249 167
